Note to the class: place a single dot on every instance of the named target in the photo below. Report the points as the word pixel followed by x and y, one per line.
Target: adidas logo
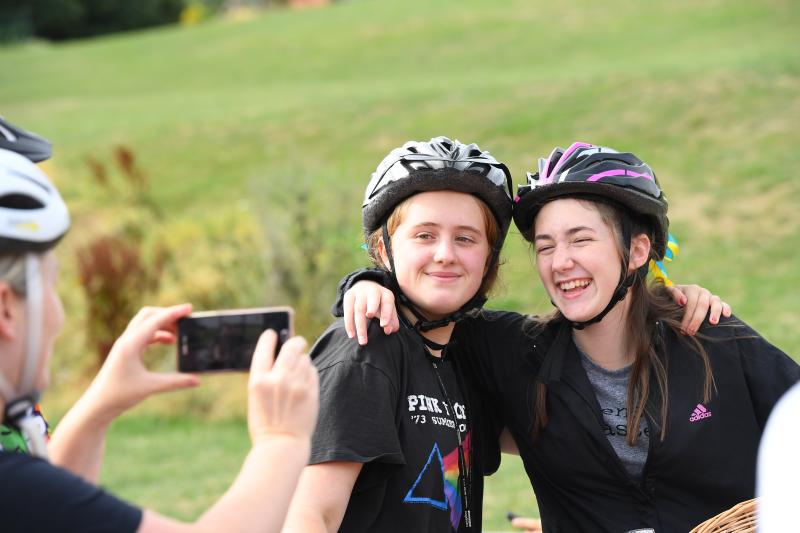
pixel 699 413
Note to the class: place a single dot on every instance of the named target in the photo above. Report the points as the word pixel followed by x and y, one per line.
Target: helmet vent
pixel 20 201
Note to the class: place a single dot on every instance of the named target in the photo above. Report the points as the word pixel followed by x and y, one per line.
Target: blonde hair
pixel 491 226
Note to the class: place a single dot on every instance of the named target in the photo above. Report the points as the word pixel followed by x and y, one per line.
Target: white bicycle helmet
pixel 33 218
pixel 440 164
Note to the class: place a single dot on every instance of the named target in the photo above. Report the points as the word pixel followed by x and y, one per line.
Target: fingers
pixel 696 309
pixel 389 320
pixel 373 303
pixel 361 320
pixel 715 310
pixel 163 337
pixel 529 525
pixel 293 351
pixel 726 310
pixel 149 320
pixel 264 354
pixel 677 295
pixel 173 381
pixel 349 313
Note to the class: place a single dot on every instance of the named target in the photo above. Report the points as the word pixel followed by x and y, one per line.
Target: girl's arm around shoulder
pixel 334 346
pixel 496 345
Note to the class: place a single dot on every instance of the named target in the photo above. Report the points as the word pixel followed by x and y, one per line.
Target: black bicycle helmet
pixel 24 142
pixel 588 171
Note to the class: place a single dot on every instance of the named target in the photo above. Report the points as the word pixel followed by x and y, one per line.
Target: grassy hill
pixel 232 122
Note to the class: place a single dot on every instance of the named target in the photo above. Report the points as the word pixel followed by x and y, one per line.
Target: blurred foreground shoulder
pixel 37 496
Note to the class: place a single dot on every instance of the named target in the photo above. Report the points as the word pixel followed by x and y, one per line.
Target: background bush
pixel 72 19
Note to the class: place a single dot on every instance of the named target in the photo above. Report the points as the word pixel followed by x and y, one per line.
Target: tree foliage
pixel 73 19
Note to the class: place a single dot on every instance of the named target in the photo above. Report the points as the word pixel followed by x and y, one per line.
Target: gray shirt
pixel 610 388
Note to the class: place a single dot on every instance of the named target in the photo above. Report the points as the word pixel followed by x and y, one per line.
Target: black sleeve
pixel 359 399
pixel 769 372
pixel 37 496
pixel 493 347
pixel 378 275
pixel 489 424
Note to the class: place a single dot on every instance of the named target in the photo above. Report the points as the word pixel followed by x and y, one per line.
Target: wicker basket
pixel 741 518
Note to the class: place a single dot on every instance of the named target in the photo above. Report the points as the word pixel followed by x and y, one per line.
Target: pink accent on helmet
pixel 575 146
pixel 517 199
pixel 619 172
pixel 546 173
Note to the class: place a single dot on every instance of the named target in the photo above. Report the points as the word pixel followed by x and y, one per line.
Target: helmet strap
pixel 34 303
pixel 423 323
pixel 625 280
pixel 20 413
pixel 10 392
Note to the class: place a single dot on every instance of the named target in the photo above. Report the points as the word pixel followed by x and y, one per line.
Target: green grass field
pixel 233 120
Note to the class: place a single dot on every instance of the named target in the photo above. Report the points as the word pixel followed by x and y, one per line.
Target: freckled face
pixel 441 251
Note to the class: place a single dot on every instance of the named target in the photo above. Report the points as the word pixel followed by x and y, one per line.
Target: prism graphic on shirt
pixel 437 483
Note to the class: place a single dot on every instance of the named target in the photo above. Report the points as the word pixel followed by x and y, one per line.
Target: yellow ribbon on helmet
pixel 657 267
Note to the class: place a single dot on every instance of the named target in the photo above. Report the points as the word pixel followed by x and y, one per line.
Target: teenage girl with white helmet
pixel 397 446
pixel 622 422
pixel 36 495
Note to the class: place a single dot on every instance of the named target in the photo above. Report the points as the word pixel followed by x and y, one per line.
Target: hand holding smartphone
pixel 214 341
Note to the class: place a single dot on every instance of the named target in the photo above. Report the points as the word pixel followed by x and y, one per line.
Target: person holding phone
pixel 37 495
pixel 622 422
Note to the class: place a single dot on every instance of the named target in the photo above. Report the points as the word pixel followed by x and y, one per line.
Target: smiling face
pixel 440 250
pixel 578 257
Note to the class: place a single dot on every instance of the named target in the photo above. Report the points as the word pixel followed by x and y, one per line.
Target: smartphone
pixel 212 341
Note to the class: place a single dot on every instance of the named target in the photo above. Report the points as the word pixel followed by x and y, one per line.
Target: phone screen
pixel 225 340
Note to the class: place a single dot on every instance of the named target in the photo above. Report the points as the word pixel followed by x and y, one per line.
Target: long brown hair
pixel 650 306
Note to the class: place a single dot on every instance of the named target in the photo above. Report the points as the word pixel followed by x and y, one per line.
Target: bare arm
pixel 78 443
pixel 321 498
pixel 283 399
pixel 258 498
pixel 368 299
pixel 507 443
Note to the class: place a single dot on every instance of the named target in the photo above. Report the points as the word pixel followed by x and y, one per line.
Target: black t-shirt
pixel 37 496
pixel 382 405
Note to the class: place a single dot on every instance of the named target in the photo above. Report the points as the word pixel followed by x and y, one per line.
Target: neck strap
pixel 422 323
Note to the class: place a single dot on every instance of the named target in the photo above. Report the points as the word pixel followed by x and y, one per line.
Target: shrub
pixel 71 19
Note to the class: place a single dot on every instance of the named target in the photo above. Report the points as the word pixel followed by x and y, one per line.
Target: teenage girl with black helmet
pixel 397 446
pixel 36 495
pixel 622 422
